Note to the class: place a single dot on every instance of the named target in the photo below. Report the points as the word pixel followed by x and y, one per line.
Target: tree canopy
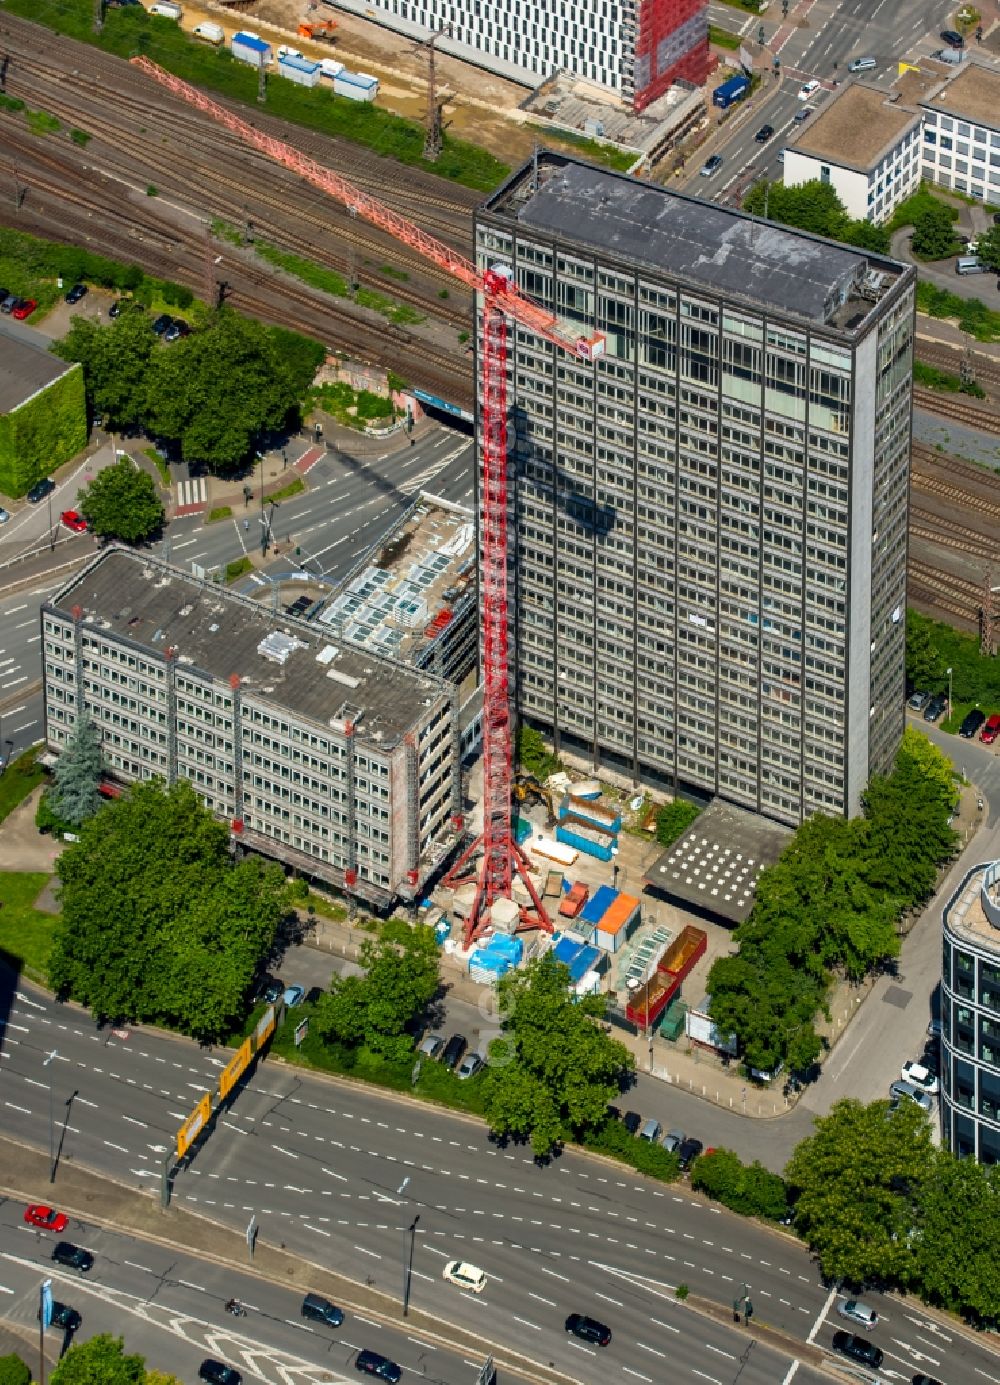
pixel 379 1008
pixel 554 1070
pixel 13 1371
pixel 76 792
pixel 116 360
pixel 858 1183
pixel 988 248
pixel 932 647
pixel 122 502
pixel 933 231
pixel 815 207
pixel 99 1361
pixel 749 1189
pixel 158 923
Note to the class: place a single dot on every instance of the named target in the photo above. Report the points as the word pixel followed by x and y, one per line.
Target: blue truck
pixel 733 90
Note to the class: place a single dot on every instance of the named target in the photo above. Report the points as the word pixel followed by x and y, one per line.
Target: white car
pixel 4 515
pixel 921 1077
pixel 808 89
pixel 464 1276
pixel 285 52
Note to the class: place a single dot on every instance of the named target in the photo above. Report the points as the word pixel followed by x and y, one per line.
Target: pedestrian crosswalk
pixel 192 493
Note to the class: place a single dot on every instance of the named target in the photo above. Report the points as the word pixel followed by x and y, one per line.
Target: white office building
pixel 961 135
pixel 865 146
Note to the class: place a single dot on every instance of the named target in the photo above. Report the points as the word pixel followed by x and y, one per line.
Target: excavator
pixel 525 788
pixel 318 29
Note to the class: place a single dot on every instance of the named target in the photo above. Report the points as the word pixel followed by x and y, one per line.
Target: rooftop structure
pixel 716 863
pixel 330 757
pixel 414 597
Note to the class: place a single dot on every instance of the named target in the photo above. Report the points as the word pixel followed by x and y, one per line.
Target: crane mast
pixel 501 298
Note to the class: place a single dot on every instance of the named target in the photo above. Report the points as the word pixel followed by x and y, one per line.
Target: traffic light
pixel 760 36
pixel 784 9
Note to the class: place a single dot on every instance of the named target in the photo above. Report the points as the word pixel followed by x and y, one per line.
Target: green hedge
pixel 972 315
pixel 45 432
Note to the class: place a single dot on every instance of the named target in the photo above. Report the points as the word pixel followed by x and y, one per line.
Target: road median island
pixel 93 1197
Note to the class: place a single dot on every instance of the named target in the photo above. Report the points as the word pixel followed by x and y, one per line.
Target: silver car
pixel 431 1046
pixel 855 1311
pixel 901 1089
pixel 673 1140
pixel 4 515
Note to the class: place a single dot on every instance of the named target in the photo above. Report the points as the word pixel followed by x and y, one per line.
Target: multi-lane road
pixel 337 1173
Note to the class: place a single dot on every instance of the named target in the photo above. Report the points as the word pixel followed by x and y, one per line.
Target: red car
pixel 991 729
pixel 45 1218
pixel 24 309
pixel 74 521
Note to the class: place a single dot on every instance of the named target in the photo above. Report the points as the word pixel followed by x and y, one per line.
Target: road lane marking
pixel 525 1323
pixel 822 1316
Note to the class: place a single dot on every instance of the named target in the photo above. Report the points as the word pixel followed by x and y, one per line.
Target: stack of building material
pixel 490 962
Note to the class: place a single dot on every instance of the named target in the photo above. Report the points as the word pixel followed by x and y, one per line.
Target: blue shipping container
pixel 300 70
pixel 248 48
pixel 569 838
pixel 733 90
pixel 598 904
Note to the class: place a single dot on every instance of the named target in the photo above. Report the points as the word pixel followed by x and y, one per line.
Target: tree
pixel 13 1371
pixel 562 1069
pixel 217 391
pixel 101 1361
pixel 859 1181
pixel 955 1244
pixel 909 836
pixel 988 248
pixel 813 206
pixel 933 231
pixel 533 755
pixel 378 1009
pixel 122 503
pixel 673 819
pixel 925 668
pixel 76 793
pixel 158 923
pixel 115 361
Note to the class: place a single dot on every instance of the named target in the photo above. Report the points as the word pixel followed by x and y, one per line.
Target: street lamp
pixel 410 1231
pixel 949 691
pixel 52 1141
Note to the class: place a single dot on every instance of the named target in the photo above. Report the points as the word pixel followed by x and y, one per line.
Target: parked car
pixel 673 1140
pixel 318 1309
pixel 9 302
pixel 41 489
pixel 857 1311
pixel 72 519
pixel 711 165
pixel 177 328
pixel 952 38
pixel 925 1380
pixel 632 1121
pixel 464 1276
pixel 77 292
pixel 971 723
pixel 23 308
pixel 803 113
pixel 764 134
pixel 918 701
pixel 688 1153
pixel 858 1349
pixel 63 1316
pixel 45 1218
pixel 431 1045
pixel 73 1257
pixel 270 989
pixel 299 606
pixel 902 1090
pixel 454 1050
pixel 374 1363
pixel 218 1373
pixel 921 1077
pixel 934 1030
pixel 4 515
pixel 469 1066
pixel 162 323
pixel 284 51
pixel 651 1130
pixel 293 996
pixel 574 900
pixel 588 1329
pixel 991 729
pixel 808 89
pixel 931 1056
pixel 935 707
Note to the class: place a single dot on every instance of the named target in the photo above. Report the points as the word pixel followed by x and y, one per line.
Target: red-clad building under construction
pixel 670 44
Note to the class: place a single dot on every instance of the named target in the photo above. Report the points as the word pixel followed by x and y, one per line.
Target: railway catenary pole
pixel 500 299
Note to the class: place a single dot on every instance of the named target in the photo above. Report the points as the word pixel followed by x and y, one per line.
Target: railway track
pixel 949 406
pixel 924 524
pixel 933 587
pixel 985 370
pixel 935 486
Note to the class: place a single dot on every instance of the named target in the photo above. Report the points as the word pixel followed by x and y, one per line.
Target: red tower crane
pixel 501 855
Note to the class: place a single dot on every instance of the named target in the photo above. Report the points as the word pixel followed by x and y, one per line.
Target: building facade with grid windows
pixel 336 761
pixel 970 1017
pixel 708 527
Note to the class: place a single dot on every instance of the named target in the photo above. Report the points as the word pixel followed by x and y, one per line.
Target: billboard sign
pixel 194 1125
pixel 265 1028
pixel 234 1069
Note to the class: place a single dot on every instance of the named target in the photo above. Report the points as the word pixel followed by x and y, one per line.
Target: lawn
pixel 25 932
pixel 18 780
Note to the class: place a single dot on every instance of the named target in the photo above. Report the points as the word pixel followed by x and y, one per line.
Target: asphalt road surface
pixel 338 1173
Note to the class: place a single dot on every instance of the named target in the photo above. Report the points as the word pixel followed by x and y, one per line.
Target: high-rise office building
pixel 636 48
pixel 970 1017
pixel 708 527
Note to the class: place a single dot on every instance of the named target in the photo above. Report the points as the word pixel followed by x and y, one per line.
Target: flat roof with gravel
pixel 26 368
pixel 856 129
pixel 973 93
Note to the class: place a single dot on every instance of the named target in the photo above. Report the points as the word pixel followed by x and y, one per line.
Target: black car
pixel 918 700
pixel 972 723
pixel 73 1257
pixel 935 707
pixel 632 1122
pixel 454 1050
pixel 299 606
pixel 41 489
pixel 925 1380
pixel 63 1316
pixel 688 1153
pixel 162 323
pixel 931 1056
pixel 764 134
pixel 77 292
pixel 218 1373
pixel 319 1309
pixel 858 1349
pixel 588 1329
pixel 177 328
pixel 373 1363
pixel 270 989
pixel 952 39
pixel 116 308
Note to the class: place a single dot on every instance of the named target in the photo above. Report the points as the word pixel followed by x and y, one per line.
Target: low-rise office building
pixel 866 146
pixel 340 762
pixel 970 1017
pixel 961 132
